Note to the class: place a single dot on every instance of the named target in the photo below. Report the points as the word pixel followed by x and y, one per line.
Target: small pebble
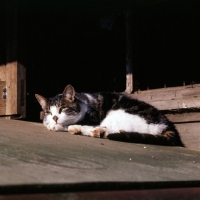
pixel 144 147
pixel 130 159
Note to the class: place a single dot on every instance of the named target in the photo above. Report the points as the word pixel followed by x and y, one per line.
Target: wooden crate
pixel 12 90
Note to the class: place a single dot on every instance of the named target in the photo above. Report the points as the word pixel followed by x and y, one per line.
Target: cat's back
pixel 119 101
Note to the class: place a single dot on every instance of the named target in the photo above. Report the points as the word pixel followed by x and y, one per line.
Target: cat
pixel 108 115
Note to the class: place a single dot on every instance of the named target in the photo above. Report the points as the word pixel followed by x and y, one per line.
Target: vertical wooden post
pixel 12 73
pixel 11 56
pixel 129 53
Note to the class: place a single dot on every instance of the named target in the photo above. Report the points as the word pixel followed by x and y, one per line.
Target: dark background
pixel 64 42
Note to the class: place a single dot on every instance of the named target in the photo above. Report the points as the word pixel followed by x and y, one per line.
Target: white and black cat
pixel 111 115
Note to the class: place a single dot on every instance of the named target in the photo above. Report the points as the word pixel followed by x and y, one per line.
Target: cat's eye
pixel 48 112
pixel 62 109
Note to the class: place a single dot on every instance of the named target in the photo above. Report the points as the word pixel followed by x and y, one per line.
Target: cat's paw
pixel 56 127
pixel 86 130
pixel 74 129
pixel 51 127
pixel 99 131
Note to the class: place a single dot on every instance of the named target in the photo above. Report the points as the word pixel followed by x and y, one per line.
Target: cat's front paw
pixel 56 127
pixel 74 129
pixel 51 127
pixel 99 132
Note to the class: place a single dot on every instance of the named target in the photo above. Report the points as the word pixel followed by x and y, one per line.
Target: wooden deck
pixel 30 154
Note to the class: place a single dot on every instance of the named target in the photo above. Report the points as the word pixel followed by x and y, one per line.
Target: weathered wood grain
pixel 2 100
pixel 184 117
pixel 12 72
pixel 177 104
pixel 11 82
pixel 185 99
pixel 190 134
pixel 2 72
pixel 171 98
pixel 14 76
pixel 169 93
pixel 30 154
pixel 21 88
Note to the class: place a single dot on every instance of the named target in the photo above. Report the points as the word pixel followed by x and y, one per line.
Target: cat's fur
pixel 105 114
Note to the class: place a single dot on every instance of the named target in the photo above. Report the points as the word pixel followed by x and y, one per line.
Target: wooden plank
pixel 154 91
pixel 16 89
pixel 21 90
pixel 15 82
pixel 184 117
pixel 2 98
pixel 2 73
pixel 11 56
pixel 189 133
pixel 168 93
pixel 11 82
pixel 171 98
pixel 184 101
pixel 177 104
pixel 56 157
pixel 13 72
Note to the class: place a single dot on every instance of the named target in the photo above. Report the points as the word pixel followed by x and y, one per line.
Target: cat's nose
pixel 55 118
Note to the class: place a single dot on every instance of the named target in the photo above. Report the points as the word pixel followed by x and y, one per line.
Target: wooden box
pixel 12 90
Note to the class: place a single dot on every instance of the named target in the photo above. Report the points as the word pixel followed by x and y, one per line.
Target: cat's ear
pixel 42 101
pixel 69 93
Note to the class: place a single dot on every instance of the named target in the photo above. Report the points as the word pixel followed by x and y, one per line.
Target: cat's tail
pixel 167 138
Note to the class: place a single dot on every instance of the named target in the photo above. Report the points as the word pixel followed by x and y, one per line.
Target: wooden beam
pixel 2 98
pixel 16 87
pixel 2 73
pixel 21 88
pixel 184 117
pixel 11 70
pixel 189 133
pixel 13 85
pixel 183 97
pixel 12 73
pixel 129 53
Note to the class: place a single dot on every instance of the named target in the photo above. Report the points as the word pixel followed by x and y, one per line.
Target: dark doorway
pixel 64 42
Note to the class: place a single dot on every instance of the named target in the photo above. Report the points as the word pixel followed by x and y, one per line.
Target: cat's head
pixel 61 109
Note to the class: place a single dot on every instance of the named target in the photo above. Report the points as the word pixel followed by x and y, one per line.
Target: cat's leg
pixel 80 130
pixel 86 130
pixel 59 127
pixel 56 127
pixel 74 129
pixel 99 131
